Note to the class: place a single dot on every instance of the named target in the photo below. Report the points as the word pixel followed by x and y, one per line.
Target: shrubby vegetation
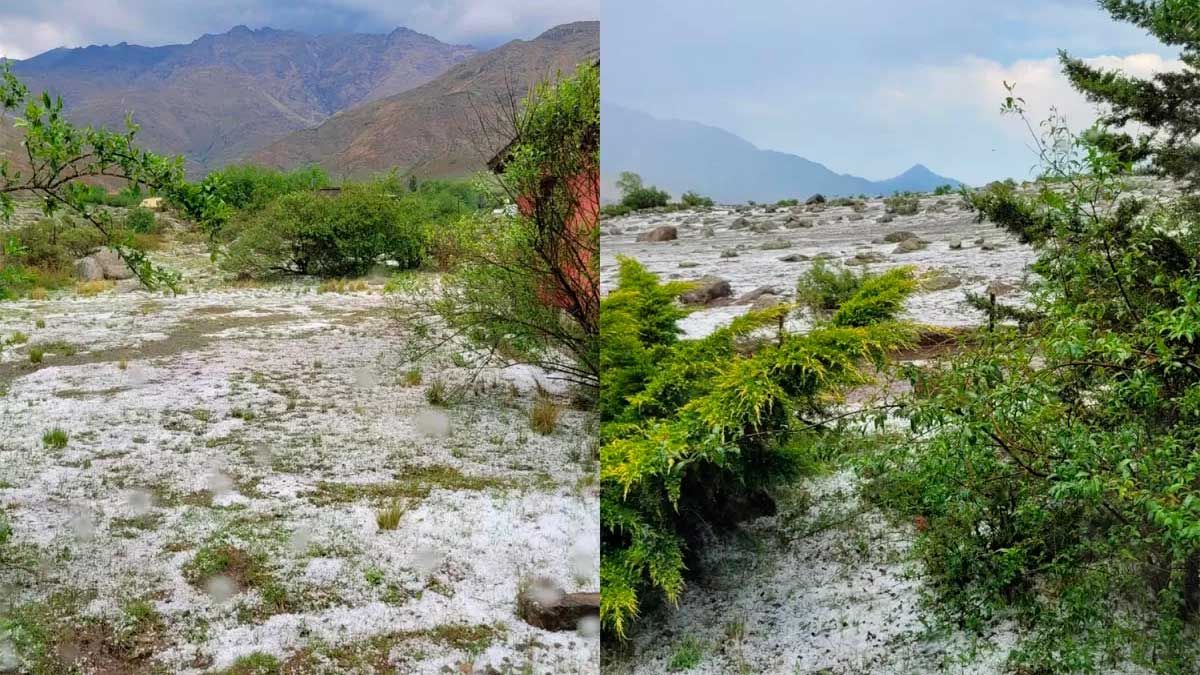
pixel 902 204
pixel 636 196
pixel 525 288
pixel 62 157
pixel 341 234
pixel 690 199
pixel 695 431
pixel 1053 467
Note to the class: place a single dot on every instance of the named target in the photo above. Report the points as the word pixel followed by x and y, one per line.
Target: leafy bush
pixel 1054 466
pixel 787 202
pixel 141 221
pixel 525 288
pixel 636 196
pixel 645 198
pixel 943 190
pixel 691 200
pixel 695 431
pixel 615 210
pixel 822 290
pixel 902 204
pixel 339 235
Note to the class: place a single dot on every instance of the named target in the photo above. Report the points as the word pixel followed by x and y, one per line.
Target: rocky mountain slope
pixel 434 129
pixel 677 156
pixel 222 96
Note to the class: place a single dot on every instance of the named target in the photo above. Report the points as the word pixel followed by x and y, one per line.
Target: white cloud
pixel 975 86
pixel 21 37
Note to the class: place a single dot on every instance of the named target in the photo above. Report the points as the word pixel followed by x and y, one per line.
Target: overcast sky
pixel 868 87
pixel 30 27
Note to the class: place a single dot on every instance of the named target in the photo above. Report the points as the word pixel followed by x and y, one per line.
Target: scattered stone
pixel 898 236
pixel 815 199
pixel 776 245
pixel 866 258
pixel 729 253
pixel 755 294
pixel 763 226
pixel 885 218
pixel 88 269
pixel 740 223
pixel 544 605
pixel 1000 289
pixel 941 281
pixel 687 264
pixel 706 290
pixel 765 301
pixel 910 245
pixel 153 203
pixel 987 246
pixel 659 234
pixel 110 261
pixel 794 258
pixel 956 245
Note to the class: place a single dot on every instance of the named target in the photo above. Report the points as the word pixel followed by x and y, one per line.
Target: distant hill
pixel 222 96
pixel 678 156
pixel 433 129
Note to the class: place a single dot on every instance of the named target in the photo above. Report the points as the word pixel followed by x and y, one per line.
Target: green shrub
pixel 141 221
pixel 695 431
pixel 787 202
pixel 1052 468
pixel 943 190
pixel 615 210
pixel 902 204
pixel 636 196
pixel 691 200
pixel 645 198
pixel 821 290
pixel 55 439
pixel 337 236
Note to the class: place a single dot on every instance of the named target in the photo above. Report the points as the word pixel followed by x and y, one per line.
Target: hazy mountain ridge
pixel 433 129
pixel 678 155
pixel 220 97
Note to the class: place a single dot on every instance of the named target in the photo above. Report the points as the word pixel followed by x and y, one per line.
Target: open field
pixel 255 473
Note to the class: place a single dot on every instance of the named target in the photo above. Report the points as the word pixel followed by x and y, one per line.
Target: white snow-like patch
pixel 221 415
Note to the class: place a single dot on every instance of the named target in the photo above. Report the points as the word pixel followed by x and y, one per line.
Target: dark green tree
pixel 1164 104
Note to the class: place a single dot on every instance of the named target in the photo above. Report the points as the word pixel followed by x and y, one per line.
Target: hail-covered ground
pixel 236 477
pixel 827 585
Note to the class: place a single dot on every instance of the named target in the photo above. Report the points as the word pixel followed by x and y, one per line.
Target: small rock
pixel 1000 289
pixel 740 223
pixel 776 245
pixel 88 269
pixel 544 605
pixel 987 246
pixel 794 257
pixel 898 236
pixel 763 226
pixel 941 282
pixel 659 234
pixel 706 290
pixel 866 258
pixel 110 261
pixel 729 253
pixel 765 301
pixel 686 264
pixel 956 245
pixel 815 199
pixel 755 294
pixel 910 245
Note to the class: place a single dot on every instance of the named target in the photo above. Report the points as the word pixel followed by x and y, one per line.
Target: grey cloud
pixel 33 27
